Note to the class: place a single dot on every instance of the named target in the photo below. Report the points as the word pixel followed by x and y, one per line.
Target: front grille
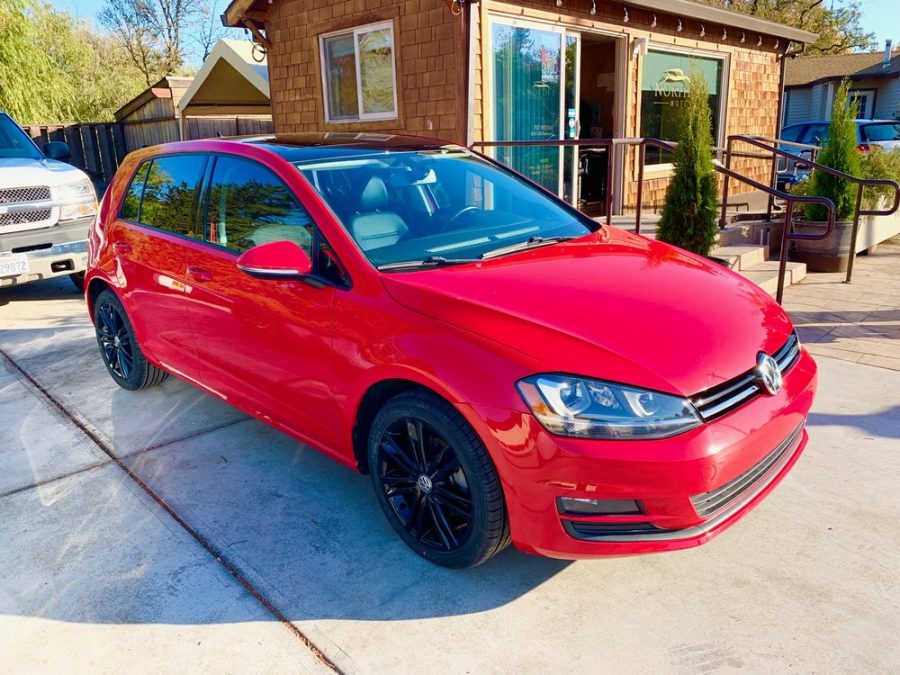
pixel 20 195
pixel 711 502
pixel 20 217
pixel 725 397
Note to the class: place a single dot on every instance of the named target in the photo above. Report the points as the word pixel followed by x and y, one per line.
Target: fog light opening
pixel 598 507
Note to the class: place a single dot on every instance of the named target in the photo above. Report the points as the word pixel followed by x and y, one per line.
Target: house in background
pixel 229 95
pixel 811 81
pixel 150 117
pixel 523 70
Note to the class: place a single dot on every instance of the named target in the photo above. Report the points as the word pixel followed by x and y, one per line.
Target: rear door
pixel 265 344
pixel 149 241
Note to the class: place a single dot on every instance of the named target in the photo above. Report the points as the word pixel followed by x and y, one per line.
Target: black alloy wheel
pixel 119 348
pixel 435 481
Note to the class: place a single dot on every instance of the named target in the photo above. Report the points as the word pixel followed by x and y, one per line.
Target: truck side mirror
pixel 57 150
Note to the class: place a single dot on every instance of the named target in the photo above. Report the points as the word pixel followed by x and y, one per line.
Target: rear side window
pixel 249 205
pixel 131 205
pixel 169 197
pixel 791 134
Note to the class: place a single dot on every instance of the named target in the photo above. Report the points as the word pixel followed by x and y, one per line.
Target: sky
pixel 881 17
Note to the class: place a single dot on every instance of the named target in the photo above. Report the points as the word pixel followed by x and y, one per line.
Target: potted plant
pixel 688 216
pixel 840 151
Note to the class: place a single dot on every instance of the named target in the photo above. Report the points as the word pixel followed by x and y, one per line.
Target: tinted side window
pixel 132 203
pixel 249 205
pixel 170 193
pixel 791 134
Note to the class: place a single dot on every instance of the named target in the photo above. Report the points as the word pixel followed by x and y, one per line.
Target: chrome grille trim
pixel 729 395
pixel 22 217
pixel 709 503
pixel 18 195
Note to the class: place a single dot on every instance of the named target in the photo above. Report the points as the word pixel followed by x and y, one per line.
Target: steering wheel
pixel 448 225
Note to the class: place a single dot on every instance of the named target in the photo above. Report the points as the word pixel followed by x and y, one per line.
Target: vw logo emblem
pixel 424 484
pixel 768 374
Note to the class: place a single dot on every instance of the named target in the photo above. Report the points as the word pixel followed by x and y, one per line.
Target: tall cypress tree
pixel 689 213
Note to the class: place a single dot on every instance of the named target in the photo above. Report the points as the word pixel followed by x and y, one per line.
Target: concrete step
pixel 742 257
pixel 765 275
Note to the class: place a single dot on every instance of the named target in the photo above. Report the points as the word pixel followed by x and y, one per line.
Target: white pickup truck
pixel 46 209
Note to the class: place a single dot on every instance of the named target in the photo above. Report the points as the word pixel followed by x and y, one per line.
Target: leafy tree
pixel 839 28
pixel 54 68
pixel 689 213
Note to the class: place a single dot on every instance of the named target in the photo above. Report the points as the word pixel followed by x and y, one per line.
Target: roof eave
pixel 238 10
pixel 722 16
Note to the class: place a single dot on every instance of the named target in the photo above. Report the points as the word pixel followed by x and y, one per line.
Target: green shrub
pixel 884 165
pixel 688 216
pixel 840 151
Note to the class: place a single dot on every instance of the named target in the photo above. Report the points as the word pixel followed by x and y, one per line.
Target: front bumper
pixel 690 487
pixel 51 252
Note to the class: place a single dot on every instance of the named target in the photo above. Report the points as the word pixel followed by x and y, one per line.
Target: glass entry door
pixel 535 82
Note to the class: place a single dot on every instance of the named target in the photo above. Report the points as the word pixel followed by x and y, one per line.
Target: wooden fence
pixel 99 148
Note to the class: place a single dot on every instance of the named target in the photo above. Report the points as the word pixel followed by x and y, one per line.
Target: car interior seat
pixel 372 226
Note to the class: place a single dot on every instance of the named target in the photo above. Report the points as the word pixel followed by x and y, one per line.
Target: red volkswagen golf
pixel 505 368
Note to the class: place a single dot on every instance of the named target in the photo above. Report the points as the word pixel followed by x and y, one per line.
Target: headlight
pixel 77 200
pixel 585 408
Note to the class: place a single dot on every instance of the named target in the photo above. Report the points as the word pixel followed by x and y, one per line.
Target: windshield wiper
pixel 531 242
pixel 430 261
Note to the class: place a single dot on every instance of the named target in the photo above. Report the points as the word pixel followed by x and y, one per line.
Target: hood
pixel 610 305
pixel 26 172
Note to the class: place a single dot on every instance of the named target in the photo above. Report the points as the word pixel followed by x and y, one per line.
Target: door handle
pixel 121 247
pixel 199 274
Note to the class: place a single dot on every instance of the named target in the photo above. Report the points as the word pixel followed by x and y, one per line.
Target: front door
pixel 264 344
pixel 535 83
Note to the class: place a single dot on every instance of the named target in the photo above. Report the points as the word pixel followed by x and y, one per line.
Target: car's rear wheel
pixel 435 481
pixel 119 347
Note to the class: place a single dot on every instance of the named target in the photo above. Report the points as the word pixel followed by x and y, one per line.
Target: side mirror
pixel 57 150
pixel 275 260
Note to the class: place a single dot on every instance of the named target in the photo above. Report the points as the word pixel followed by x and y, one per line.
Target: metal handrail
pixel 643 143
pixel 770 146
pixel 789 199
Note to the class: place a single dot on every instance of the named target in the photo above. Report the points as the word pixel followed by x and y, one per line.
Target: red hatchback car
pixel 504 367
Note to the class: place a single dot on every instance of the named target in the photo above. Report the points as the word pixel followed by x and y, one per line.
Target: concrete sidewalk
pixel 857 322
pixel 240 526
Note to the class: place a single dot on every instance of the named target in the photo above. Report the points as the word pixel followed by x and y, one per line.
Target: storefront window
pixel 359 75
pixel 665 79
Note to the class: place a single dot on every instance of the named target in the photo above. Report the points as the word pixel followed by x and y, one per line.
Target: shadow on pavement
pixel 885 424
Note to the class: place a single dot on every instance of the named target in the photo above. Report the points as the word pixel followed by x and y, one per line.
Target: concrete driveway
pixel 164 531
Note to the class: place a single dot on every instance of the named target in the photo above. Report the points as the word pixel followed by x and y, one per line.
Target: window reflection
pixel 248 206
pixel 170 193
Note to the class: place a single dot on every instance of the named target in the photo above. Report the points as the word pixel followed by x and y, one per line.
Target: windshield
pixel 882 132
pixel 14 142
pixel 436 205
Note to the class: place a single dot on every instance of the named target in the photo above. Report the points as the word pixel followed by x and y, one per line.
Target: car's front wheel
pixel 119 347
pixel 435 481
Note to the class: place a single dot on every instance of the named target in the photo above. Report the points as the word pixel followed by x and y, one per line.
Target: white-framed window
pixel 664 87
pixel 359 75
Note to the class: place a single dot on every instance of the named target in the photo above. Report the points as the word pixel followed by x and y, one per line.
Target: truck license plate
pixel 13 264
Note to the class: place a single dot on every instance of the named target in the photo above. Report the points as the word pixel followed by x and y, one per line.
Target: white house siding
pixel 797 105
pixel 887 101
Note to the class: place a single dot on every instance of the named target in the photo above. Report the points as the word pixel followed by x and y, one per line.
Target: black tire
pixel 119 347
pixel 441 495
pixel 77 280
